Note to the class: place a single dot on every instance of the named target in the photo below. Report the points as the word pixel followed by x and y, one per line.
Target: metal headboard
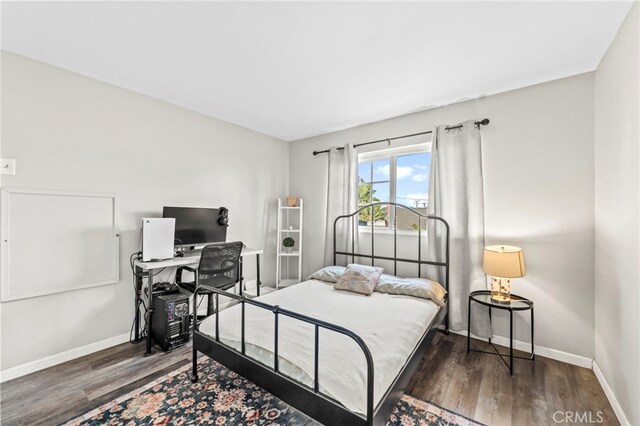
pixel 395 257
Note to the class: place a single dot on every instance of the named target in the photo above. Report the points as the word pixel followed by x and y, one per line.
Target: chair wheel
pixel 194 378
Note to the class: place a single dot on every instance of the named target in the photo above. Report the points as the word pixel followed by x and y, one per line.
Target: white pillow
pixel 359 279
pixel 416 287
pixel 330 274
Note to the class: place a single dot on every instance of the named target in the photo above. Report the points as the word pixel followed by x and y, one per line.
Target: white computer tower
pixel 157 238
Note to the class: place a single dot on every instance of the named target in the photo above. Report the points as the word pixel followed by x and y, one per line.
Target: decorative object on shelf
pixel 503 263
pixel 289 234
pixel 292 201
pixel 288 244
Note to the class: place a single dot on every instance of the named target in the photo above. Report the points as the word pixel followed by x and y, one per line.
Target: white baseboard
pixel 580 361
pixel 622 418
pixel 50 361
pixel 569 358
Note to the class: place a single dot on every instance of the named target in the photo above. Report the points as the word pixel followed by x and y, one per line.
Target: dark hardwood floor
pixel 479 386
pixel 475 385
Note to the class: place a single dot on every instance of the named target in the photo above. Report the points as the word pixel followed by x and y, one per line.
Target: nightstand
pixel 517 303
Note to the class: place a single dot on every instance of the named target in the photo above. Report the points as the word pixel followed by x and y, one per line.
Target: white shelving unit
pixel 289 225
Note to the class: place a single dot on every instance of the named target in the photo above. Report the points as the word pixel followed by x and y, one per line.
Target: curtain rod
pixel 482 122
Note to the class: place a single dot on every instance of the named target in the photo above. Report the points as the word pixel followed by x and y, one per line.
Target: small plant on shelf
pixel 288 243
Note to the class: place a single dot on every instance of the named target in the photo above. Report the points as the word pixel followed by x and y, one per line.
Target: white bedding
pixel 390 325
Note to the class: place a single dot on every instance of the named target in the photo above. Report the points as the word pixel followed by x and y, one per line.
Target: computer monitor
pixel 197 226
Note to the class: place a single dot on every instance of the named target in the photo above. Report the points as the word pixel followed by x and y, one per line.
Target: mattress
pixel 390 325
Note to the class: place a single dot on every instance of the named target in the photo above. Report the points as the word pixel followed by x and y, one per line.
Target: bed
pixel 339 357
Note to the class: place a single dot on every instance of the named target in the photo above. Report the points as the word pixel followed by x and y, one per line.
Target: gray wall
pixel 617 216
pixel 538 165
pixel 69 132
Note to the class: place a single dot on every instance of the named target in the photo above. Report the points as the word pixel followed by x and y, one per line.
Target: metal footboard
pixel 277 311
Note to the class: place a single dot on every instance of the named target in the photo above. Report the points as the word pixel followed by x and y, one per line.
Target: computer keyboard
pixel 190 253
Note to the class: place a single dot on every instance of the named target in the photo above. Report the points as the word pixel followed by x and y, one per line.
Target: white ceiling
pixel 297 69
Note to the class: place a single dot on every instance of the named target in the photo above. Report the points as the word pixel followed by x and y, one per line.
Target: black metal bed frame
pixel 309 399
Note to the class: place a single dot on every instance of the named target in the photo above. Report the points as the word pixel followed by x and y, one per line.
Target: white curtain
pixel 456 195
pixel 342 198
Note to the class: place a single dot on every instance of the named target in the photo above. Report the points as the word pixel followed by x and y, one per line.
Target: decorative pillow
pixel 359 279
pixel 416 287
pixel 330 274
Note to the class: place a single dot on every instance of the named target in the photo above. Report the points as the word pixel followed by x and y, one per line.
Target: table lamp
pixel 503 263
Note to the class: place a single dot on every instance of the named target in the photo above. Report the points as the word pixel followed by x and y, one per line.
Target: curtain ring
pixel 388 142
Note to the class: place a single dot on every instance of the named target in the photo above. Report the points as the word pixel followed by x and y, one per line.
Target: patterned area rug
pixel 221 397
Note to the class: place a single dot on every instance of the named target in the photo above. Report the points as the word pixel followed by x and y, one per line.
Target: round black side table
pixel 517 303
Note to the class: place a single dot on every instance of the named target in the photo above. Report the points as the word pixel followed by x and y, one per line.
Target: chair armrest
pixel 183 268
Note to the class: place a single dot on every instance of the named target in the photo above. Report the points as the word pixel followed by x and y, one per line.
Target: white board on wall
pixel 52 241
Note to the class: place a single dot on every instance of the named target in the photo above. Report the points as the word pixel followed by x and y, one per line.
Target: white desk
pixel 187 261
pixel 146 269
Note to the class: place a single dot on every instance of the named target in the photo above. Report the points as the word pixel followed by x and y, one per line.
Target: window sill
pixel 387 231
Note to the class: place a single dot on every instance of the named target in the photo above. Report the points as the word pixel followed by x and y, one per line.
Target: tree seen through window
pixel 403 179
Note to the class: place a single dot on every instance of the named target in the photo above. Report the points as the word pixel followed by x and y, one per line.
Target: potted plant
pixel 288 243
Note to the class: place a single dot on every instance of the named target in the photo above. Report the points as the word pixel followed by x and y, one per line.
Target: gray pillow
pixel 330 274
pixel 416 287
pixel 359 279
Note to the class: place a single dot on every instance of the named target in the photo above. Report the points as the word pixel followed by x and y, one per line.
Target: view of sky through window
pixel 411 184
pixel 412 179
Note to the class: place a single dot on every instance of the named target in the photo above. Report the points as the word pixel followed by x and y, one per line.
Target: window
pixel 398 175
pixel 374 180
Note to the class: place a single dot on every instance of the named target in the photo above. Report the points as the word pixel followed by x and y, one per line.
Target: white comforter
pixel 390 325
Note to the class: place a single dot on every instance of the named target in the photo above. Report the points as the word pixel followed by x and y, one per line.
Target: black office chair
pixel 219 268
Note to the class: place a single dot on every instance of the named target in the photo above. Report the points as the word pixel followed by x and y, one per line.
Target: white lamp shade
pixel 503 261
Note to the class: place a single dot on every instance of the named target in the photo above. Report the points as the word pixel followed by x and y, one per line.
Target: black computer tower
pixel 170 320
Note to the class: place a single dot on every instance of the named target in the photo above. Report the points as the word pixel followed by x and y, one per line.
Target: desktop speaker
pixel 170 320
pixel 223 220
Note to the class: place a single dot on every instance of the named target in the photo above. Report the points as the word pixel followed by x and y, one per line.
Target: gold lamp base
pixel 500 290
